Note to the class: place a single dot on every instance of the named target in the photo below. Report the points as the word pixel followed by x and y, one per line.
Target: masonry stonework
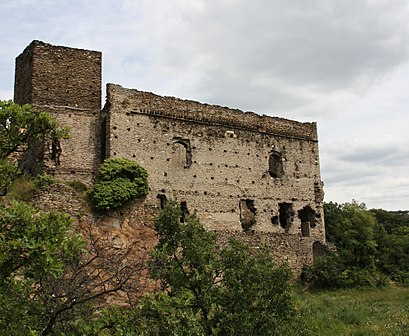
pixel 67 83
pixel 245 175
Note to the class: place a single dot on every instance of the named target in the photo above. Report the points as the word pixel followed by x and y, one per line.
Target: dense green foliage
pixel 119 181
pixel 32 241
pixel 32 246
pixel 9 173
pixel 371 246
pixel 21 125
pixel 230 290
pixel 20 128
pixel 393 241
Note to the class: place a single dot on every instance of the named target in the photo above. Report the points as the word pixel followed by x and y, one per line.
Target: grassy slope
pixel 356 312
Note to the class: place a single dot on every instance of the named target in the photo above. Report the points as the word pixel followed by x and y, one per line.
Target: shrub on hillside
pixel 119 181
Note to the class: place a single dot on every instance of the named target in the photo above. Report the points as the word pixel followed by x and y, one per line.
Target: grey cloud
pixel 386 155
pixel 330 44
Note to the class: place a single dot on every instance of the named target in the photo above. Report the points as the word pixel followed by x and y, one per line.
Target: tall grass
pixel 382 312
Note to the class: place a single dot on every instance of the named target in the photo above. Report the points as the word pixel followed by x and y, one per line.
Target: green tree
pixel 32 241
pixel 357 236
pixel 119 181
pixel 230 290
pixel 352 228
pixel 22 127
pixel 255 296
pixel 32 244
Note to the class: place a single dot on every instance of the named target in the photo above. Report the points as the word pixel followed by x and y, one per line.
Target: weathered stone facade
pixel 67 83
pixel 251 176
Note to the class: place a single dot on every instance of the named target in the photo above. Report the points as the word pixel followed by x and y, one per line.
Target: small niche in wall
pixel 247 214
pixel 230 134
pixel 307 216
pixel 274 220
pixel 162 200
pixel 318 250
pixel 286 215
pixel 184 210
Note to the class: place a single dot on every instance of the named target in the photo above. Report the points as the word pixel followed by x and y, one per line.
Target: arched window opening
pixel 307 214
pixel 275 164
pixel 182 152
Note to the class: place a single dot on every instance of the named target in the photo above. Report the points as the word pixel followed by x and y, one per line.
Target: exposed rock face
pixel 129 230
pixel 251 176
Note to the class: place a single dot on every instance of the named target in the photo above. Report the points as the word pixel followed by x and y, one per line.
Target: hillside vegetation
pixel 57 279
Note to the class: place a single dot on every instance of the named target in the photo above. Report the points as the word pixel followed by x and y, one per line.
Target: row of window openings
pixel 285 218
pixel 228 134
pixel 183 155
pixel 275 169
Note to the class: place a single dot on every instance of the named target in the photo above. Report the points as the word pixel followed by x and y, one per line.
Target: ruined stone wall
pixel 238 171
pixel 245 175
pixel 67 83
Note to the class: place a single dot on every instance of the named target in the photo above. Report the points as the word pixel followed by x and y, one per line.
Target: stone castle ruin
pixel 245 175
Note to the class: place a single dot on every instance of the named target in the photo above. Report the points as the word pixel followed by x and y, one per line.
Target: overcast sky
pixel 341 63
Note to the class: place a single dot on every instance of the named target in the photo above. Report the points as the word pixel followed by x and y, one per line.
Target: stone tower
pixel 67 83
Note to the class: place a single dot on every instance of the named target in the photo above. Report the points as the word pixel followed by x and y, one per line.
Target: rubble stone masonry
pixel 245 175
pixel 67 83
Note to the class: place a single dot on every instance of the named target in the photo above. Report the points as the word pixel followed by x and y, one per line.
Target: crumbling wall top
pixel 140 102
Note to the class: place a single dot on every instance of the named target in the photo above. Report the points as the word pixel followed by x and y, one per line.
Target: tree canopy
pixel 22 124
pixel 371 246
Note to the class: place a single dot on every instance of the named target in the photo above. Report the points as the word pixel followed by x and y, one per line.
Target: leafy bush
pixel 42 181
pixel 325 271
pixel 119 181
pixel 9 172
